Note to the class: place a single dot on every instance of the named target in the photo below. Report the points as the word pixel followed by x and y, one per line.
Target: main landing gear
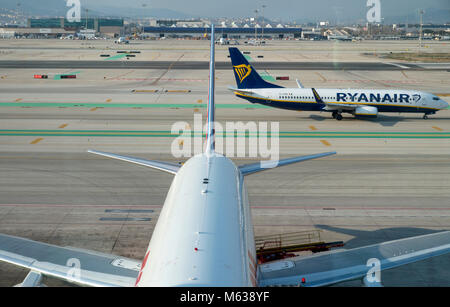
pixel 425 116
pixel 336 115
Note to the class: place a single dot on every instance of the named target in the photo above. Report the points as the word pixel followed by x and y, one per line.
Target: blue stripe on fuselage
pixel 287 105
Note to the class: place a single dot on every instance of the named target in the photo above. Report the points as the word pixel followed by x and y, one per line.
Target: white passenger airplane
pixel 204 236
pixel 362 103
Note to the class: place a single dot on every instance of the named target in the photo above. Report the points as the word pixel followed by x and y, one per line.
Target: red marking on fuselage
pixel 253 270
pixel 142 268
pixel 252 259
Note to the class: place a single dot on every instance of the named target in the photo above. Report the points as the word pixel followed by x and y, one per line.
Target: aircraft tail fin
pixel 210 133
pixel 246 76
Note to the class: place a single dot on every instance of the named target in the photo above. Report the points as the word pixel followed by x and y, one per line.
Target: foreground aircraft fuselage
pixel 204 234
pixel 359 102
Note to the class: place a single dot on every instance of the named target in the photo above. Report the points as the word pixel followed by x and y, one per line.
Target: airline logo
pixel 371 97
pixel 243 71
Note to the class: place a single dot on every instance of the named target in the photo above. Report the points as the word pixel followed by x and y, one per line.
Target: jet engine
pixel 366 111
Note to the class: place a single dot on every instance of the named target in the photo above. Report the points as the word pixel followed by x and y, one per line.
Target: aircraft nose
pixel 444 104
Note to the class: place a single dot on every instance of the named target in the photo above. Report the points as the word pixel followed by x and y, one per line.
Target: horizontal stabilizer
pixel 248 169
pixel 234 89
pixel 167 167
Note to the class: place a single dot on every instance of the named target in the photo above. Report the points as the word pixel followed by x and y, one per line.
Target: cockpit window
pixel 435 98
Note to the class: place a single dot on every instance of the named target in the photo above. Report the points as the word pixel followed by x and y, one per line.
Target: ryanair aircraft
pixel 361 103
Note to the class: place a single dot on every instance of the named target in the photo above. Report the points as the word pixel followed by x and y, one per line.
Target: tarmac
pixel 203 65
pixel 389 180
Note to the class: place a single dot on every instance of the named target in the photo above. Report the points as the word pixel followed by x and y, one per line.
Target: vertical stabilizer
pixel 246 76
pixel 210 132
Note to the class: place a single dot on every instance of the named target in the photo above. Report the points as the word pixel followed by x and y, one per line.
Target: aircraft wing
pixel 77 266
pixel 334 267
pixel 338 106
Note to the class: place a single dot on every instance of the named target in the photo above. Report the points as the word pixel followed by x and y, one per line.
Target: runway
pixel 281 134
pixel 199 65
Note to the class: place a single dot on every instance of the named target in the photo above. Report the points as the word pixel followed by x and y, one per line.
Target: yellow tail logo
pixel 243 71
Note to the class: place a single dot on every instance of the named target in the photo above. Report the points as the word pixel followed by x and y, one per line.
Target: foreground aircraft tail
pixel 246 76
pixel 172 168
pixel 210 132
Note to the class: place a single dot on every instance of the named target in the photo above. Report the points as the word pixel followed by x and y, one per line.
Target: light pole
pixel 18 12
pixel 421 12
pixel 87 18
pixel 263 24
pixel 256 23
pixel 144 5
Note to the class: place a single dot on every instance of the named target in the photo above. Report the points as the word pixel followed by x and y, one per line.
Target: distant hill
pixel 432 15
pixel 436 16
pixel 140 12
pixel 58 8
pixel 42 7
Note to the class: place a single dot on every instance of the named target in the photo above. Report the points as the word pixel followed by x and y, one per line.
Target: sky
pixel 282 9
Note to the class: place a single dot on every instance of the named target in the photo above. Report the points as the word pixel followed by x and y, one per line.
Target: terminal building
pixel 225 32
pixel 56 27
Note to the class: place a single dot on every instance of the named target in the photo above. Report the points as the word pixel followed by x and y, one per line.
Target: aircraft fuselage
pixel 204 234
pixel 346 99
